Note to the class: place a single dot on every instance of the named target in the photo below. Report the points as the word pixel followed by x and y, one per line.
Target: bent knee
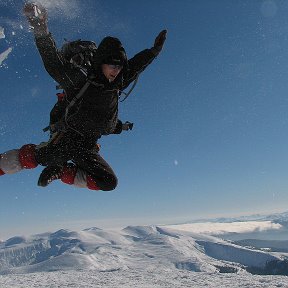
pixel 109 184
pixel 80 178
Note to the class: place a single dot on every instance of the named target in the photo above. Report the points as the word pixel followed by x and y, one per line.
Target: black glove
pixel 127 126
pixel 159 40
pixel 37 17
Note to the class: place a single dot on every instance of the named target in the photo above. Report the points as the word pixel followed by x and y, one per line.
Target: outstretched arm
pixel 140 61
pixel 55 64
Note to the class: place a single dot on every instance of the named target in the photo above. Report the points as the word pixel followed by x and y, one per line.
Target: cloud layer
pixel 222 228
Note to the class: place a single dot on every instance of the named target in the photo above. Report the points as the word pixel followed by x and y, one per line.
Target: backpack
pixel 79 53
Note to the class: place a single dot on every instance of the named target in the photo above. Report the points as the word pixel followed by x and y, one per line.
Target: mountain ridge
pixel 136 247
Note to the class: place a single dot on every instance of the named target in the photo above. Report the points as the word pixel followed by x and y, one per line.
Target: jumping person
pixel 88 109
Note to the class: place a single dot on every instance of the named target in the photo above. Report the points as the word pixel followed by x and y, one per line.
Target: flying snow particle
pixel 4 55
pixel 2 35
pixel 175 162
pixel 269 8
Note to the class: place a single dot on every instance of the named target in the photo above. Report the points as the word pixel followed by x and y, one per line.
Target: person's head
pixel 111 58
pixel 111 71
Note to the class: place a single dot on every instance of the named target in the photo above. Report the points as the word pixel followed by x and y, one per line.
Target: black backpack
pixel 80 54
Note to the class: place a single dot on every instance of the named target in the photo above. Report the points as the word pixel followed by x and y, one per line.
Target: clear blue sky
pixel 210 114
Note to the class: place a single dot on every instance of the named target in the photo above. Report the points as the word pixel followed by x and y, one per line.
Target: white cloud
pixel 222 228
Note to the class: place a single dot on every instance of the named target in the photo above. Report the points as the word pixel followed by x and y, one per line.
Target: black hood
pixel 110 51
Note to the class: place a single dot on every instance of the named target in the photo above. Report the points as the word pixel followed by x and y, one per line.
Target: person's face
pixel 111 71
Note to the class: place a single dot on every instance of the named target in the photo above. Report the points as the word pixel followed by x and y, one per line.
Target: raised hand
pixel 159 40
pixel 127 126
pixel 36 14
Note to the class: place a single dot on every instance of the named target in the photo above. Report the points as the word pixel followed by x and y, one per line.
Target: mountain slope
pixel 135 247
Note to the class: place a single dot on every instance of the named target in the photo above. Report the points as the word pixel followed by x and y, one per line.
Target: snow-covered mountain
pixel 146 256
pixel 136 247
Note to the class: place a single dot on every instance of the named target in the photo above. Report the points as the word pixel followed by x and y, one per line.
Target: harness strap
pixel 129 92
pixel 77 97
pixel 73 101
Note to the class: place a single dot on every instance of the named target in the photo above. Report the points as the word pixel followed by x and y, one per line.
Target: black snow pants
pixel 83 154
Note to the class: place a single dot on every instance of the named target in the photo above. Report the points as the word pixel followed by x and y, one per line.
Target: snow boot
pixel 69 174
pixel 49 174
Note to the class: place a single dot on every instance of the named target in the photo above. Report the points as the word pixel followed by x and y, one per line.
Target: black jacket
pixel 96 113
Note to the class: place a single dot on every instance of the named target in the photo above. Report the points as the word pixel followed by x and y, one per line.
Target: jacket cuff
pixel 40 31
pixel 155 51
pixel 118 128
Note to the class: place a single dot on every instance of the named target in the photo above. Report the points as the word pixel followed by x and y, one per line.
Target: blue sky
pixel 210 114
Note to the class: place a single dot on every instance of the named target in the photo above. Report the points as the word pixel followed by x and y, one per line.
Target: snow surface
pixel 137 256
pixel 144 278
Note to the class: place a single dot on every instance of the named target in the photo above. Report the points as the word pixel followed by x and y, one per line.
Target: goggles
pixel 115 66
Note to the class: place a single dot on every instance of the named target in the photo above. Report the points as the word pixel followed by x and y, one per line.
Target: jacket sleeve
pixel 138 64
pixel 56 65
